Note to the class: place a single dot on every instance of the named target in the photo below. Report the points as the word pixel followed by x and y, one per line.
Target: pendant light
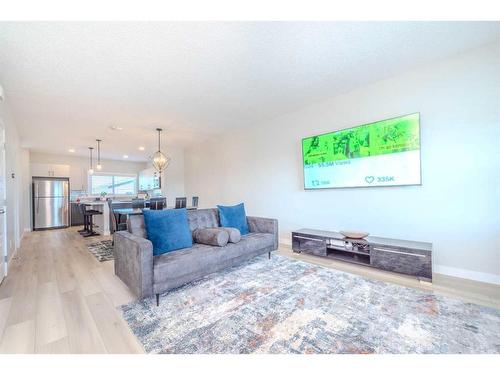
pixel 160 160
pixel 98 166
pixel 91 170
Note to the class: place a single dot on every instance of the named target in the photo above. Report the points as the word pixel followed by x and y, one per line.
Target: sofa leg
pixel 269 255
pixel 157 299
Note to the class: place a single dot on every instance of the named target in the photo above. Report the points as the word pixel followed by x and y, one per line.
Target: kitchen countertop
pixel 89 202
pixel 114 201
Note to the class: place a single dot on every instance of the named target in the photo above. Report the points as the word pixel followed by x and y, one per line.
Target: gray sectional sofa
pixel 146 274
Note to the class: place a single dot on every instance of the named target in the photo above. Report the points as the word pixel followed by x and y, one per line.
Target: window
pixel 113 184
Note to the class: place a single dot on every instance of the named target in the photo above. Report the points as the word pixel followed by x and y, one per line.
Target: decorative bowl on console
pixel 354 234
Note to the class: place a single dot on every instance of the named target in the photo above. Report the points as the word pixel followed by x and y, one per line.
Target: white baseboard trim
pixel 7 264
pixel 26 230
pixel 468 274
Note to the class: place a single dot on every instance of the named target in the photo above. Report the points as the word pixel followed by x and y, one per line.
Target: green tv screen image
pixel 382 153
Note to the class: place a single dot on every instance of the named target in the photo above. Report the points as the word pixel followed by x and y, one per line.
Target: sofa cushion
pixel 203 218
pixel 168 230
pixel 234 234
pixel 135 225
pixel 252 241
pixel 211 236
pixel 200 260
pixel 234 217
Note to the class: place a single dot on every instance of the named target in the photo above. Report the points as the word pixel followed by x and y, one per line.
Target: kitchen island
pixel 101 222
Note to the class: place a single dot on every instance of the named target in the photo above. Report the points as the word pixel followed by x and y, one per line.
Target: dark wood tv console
pixel 407 257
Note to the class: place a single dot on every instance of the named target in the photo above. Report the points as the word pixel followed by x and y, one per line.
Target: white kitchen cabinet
pixel 50 170
pixel 145 178
pixel 42 170
pixel 149 179
pixel 60 170
pixel 78 178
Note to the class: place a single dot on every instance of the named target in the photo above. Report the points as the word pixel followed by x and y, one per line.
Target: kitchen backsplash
pixel 74 194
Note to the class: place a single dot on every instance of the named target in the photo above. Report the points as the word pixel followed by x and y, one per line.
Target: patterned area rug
pixel 287 306
pixel 102 250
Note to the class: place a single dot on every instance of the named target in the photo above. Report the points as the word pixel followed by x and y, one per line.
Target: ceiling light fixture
pixel 125 156
pixel 99 166
pixel 160 160
pixel 116 127
pixel 91 170
pixel 71 150
pixel 141 148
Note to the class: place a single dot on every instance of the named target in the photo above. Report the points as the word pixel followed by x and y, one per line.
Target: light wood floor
pixel 59 299
pixel 465 290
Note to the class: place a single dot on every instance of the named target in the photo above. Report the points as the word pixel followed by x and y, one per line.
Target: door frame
pixel 3 255
pixel 3 205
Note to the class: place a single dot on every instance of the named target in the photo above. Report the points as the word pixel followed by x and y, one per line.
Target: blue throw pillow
pixel 234 217
pixel 168 230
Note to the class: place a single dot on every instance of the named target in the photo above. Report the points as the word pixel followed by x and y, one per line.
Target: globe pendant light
pixel 98 166
pixel 91 170
pixel 160 160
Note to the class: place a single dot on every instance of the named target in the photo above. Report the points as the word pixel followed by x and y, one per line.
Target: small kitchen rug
pixel 102 250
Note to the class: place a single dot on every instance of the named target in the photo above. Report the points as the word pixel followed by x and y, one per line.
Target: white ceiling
pixel 66 83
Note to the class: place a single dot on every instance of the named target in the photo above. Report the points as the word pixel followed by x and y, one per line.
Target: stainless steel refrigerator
pixel 50 202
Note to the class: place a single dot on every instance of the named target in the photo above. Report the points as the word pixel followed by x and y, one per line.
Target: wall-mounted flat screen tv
pixel 382 153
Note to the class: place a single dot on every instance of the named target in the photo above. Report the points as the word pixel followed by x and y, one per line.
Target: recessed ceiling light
pixel 116 127
pixel 125 156
pixel 71 150
pixel 141 148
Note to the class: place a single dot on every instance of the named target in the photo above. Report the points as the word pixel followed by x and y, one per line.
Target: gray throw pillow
pixel 234 234
pixel 211 236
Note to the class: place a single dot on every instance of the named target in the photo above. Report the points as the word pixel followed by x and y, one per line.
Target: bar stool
pixel 85 229
pixel 88 221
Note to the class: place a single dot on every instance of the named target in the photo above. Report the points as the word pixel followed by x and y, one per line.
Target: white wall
pixel 25 190
pixel 173 176
pixel 15 186
pixel 458 206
